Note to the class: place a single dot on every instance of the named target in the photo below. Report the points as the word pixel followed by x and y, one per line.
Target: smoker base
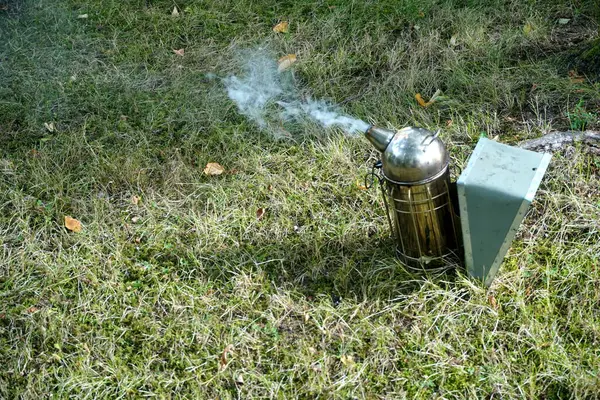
pixel 441 264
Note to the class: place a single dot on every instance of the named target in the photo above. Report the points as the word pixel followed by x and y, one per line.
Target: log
pixel 559 140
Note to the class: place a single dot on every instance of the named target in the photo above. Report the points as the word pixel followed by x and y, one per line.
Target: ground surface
pixel 175 289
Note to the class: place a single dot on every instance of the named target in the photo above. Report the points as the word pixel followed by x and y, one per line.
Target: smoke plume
pixel 269 97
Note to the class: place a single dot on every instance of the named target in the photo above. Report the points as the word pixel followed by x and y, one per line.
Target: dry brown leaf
pixel 282 27
pixel 179 52
pixel 213 169
pixel 135 200
pixel 286 61
pixel 175 12
pixel 574 77
pixel 223 361
pixel 492 301
pixel 32 309
pixel 422 102
pixel 72 224
pixel 449 123
pixel 260 213
pixel 360 186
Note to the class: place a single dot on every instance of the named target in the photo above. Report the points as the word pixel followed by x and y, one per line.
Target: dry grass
pixel 309 300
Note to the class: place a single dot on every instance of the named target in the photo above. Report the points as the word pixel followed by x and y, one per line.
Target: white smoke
pixel 263 87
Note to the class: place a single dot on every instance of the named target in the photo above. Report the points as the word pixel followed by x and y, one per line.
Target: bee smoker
pixel 492 195
pixel 418 195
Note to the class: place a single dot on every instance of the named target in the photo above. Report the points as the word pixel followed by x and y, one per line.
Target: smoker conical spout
pixel 379 137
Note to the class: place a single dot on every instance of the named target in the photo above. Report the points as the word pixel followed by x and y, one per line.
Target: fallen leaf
pixel 360 186
pixel 574 77
pixel 528 28
pixel 422 102
pixel 492 301
pixel 563 21
pixel 32 309
pixel 135 200
pixel 50 127
pixel 286 61
pixel 223 361
pixel 421 14
pixel 282 27
pixel 453 40
pixel 175 12
pixel 82 16
pixel 179 52
pixel 449 123
pixel 348 361
pixel 270 188
pixel 72 224
pixel 260 213
pixel 213 169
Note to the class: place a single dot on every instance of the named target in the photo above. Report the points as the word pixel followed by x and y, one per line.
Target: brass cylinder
pixel 423 221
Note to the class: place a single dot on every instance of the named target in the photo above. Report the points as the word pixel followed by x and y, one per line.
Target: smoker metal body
pixel 420 204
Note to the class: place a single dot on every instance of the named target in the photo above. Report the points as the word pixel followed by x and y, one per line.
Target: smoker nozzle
pixel 379 137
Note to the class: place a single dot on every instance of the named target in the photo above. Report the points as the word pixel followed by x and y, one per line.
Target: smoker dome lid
pixel 414 155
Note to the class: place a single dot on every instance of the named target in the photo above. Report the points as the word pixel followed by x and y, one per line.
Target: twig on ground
pixel 558 140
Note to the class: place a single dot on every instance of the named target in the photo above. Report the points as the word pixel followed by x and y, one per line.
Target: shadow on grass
pixel 361 268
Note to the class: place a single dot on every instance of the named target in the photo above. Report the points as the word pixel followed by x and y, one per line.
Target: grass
pixel 186 294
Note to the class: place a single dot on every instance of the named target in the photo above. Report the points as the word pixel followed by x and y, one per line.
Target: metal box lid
pixel 494 193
